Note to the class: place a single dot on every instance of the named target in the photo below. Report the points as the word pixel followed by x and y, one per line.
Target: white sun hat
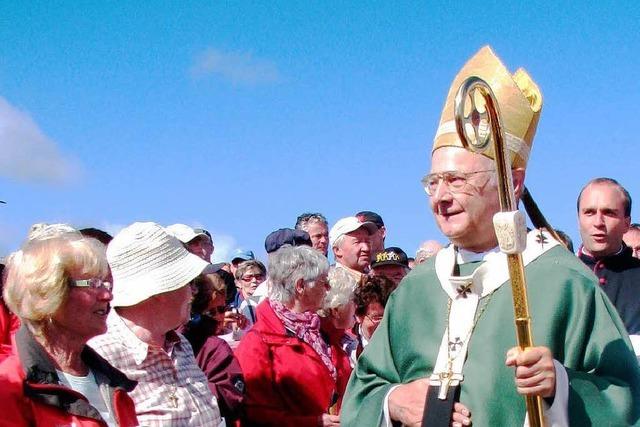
pixel 146 260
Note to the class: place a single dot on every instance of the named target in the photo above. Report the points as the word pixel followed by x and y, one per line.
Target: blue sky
pixel 238 116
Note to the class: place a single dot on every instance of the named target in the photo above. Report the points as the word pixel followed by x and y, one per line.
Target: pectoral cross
pixel 173 399
pixel 445 380
pixel 453 345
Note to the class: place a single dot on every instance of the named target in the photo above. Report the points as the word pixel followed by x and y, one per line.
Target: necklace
pixel 173 398
pixel 449 378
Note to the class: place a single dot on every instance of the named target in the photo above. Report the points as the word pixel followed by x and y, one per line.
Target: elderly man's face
pixel 202 247
pixel 175 306
pixel 319 234
pixel 602 219
pixel 355 250
pixel 632 239
pixel 466 216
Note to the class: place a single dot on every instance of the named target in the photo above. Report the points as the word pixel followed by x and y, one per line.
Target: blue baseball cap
pixel 243 255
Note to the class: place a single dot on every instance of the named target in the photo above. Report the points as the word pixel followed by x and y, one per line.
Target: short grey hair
pixel 303 221
pixel 338 242
pixel 289 264
pixel 343 285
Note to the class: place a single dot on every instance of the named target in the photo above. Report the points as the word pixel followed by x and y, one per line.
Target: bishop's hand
pixel 406 405
pixel 535 371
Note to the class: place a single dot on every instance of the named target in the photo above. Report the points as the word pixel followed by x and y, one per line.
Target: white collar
pixel 493 272
pixel 466 256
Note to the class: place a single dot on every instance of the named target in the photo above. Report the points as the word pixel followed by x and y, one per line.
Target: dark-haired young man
pixel 604 216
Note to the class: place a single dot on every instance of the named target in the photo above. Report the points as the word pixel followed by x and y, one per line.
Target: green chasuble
pixel 571 316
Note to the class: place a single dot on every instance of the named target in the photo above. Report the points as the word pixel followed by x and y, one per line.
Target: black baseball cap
pixel 390 256
pixel 368 216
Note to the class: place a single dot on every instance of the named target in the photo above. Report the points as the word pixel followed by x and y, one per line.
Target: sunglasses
pixel 249 277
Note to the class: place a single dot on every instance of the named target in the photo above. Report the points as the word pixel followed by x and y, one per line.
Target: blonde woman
pixel 58 288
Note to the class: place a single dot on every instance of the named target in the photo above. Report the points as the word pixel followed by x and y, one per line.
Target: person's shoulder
pixel 560 258
pixel 560 265
pixel 427 267
pixel 419 278
pixel 216 345
pixel 11 375
pixel 182 342
pixel 631 263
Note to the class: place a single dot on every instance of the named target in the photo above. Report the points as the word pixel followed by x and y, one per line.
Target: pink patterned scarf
pixel 306 326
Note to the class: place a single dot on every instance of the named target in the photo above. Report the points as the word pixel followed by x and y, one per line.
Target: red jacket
pixel 9 324
pixel 31 395
pixel 286 382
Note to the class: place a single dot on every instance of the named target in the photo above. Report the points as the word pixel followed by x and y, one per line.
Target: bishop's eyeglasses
pixel 455 180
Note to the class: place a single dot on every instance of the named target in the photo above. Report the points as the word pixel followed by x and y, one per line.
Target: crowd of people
pixel 141 328
pixel 144 329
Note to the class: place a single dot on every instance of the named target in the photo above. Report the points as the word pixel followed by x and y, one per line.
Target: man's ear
pixel 518 182
pixel 384 232
pixel 337 252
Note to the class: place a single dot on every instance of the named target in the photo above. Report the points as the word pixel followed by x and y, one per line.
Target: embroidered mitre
pixel 519 102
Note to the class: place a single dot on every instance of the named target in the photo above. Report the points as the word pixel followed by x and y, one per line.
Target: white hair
pixel 342 288
pixel 338 242
pixel 289 264
pixel 43 231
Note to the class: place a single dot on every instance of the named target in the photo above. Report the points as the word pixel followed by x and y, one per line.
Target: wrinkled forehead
pixel 458 159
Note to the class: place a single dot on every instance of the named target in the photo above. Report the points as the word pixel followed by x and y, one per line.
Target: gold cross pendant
pixel 445 380
pixel 173 399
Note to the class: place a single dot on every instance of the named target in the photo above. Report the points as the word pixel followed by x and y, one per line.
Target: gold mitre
pixel 519 102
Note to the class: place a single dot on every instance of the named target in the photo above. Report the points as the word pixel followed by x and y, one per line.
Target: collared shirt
pixel 172 390
pixel 357 275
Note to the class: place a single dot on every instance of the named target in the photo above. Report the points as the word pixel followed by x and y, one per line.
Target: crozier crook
pixel 509 223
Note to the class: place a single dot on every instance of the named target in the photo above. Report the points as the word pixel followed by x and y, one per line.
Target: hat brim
pixel 134 289
pixel 380 264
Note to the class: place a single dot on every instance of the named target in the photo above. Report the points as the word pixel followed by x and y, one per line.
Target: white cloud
pixel 238 67
pixel 27 154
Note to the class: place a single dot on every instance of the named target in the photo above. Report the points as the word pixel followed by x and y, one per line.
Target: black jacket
pixel 619 277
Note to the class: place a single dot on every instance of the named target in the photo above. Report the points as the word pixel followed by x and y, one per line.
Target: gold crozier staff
pixel 510 223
